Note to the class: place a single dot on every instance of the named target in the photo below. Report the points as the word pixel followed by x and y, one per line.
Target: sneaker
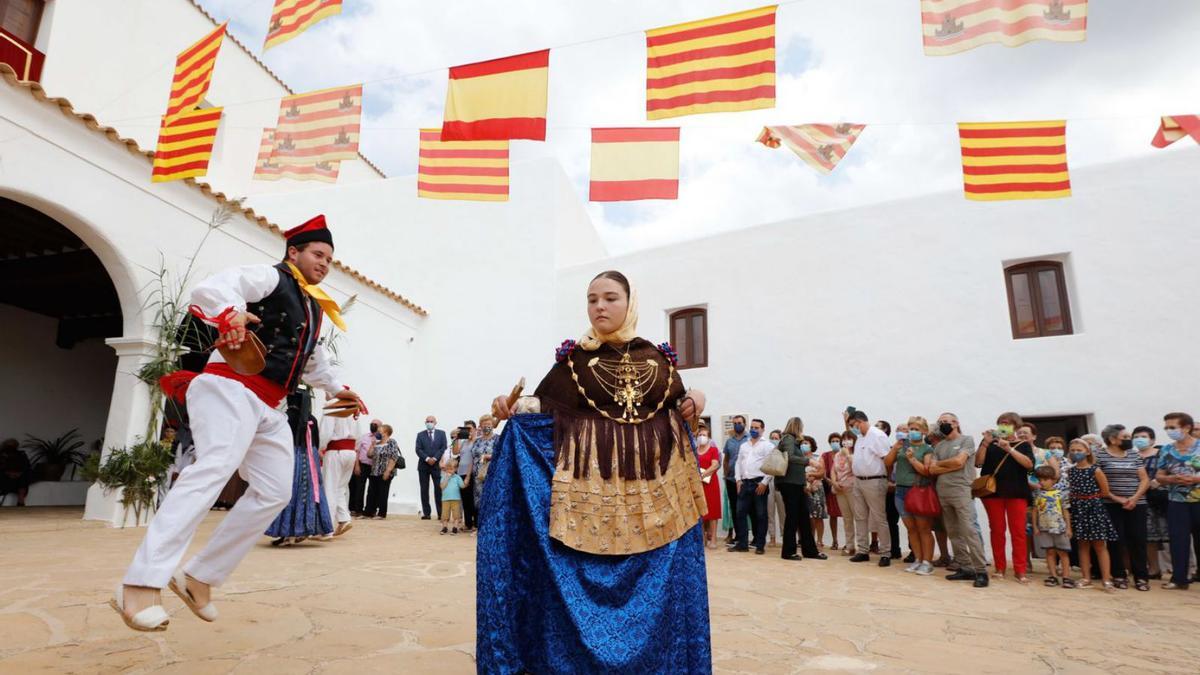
pixel 444 531
pixel 925 569
pixel 913 567
pixel 885 561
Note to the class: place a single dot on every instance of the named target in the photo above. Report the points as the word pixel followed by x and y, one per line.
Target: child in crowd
pixel 1052 527
pixel 452 487
pixel 1090 519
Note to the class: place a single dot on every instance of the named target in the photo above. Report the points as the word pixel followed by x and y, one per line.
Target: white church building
pixel 1075 312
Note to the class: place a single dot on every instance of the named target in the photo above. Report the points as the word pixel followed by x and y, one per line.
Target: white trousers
pixel 869 499
pixel 233 431
pixel 336 468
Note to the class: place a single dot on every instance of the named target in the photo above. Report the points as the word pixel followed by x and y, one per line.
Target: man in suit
pixel 431 443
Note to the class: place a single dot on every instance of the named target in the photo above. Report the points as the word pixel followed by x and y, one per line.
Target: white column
pixel 128 415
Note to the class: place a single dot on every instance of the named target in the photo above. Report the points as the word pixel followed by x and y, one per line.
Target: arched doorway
pixel 58 304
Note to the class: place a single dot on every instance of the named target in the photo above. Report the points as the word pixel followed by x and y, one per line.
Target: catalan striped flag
pixel 1176 127
pixel 821 146
pixel 497 100
pixel 193 73
pixel 722 64
pixel 953 26
pixel 290 18
pixel 635 163
pixel 320 126
pixel 1014 160
pixel 185 145
pixel 469 170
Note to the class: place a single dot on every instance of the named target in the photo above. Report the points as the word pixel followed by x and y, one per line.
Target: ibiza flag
pixel 1014 160
pixel 325 172
pixel 290 18
pixel 266 168
pixel 721 64
pixel 185 145
pixel 469 170
pixel 953 26
pixel 320 126
pixel 497 100
pixel 1176 127
pixel 821 146
pixel 635 163
pixel 193 73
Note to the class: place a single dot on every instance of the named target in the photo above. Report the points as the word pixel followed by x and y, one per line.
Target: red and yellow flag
pixel 267 168
pixel 320 126
pixel 185 145
pixel 498 100
pixel 821 146
pixel 722 64
pixel 635 163
pixel 1176 127
pixel 953 26
pixel 290 18
pixel 1014 160
pixel 470 170
pixel 193 74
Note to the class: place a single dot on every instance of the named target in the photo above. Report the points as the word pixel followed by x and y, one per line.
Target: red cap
pixel 312 230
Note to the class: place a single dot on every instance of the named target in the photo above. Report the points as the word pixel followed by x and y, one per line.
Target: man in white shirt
pixel 752 487
pixel 870 486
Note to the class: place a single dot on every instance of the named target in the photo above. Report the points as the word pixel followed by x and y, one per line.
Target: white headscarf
pixel 628 331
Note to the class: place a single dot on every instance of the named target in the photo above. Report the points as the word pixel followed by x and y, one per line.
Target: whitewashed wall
pixel 115 59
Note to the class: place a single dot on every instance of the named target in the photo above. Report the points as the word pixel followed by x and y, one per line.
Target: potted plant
pixel 138 471
pixel 51 458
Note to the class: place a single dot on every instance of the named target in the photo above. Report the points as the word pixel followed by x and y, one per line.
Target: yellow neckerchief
pixel 327 304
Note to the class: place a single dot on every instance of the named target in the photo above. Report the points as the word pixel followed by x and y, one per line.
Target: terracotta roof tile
pixel 65 107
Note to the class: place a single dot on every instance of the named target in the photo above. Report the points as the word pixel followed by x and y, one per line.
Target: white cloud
pixel 840 61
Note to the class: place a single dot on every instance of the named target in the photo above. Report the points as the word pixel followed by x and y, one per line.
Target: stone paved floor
pixel 395 597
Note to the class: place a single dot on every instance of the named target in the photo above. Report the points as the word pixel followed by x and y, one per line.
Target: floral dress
pixel 815 489
pixel 1089 519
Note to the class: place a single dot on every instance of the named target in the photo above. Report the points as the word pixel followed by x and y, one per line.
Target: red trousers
pixel 1008 514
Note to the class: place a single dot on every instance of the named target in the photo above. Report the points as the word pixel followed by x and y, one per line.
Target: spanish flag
pixel 1014 160
pixel 498 100
pixel 185 145
pixel 193 73
pixel 953 26
pixel 723 64
pixel 290 18
pixel 467 170
pixel 632 164
pixel 1171 129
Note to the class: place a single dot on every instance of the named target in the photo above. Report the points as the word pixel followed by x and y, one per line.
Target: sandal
pixel 1068 582
pixel 1050 581
pixel 150 620
pixel 178 584
pixel 1084 583
pixel 1172 586
pixel 1024 581
pixel 1122 584
pixel 1109 587
pixel 1141 584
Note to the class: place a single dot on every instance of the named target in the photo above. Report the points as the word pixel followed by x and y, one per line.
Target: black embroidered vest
pixel 291 325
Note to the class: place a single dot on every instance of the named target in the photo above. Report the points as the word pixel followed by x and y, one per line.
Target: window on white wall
pixel 689 336
pixel 1038 305
pixel 21 18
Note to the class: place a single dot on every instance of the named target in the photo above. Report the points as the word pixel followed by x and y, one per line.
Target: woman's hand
pixel 500 408
pixel 693 404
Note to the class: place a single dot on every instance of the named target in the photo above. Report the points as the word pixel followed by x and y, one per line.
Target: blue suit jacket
pixel 427 448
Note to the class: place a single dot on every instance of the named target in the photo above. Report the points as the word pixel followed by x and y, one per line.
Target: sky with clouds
pixel 838 60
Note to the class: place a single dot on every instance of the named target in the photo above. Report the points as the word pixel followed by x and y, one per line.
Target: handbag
pixel 985 486
pixel 399 462
pixel 922 500
pixel 775 463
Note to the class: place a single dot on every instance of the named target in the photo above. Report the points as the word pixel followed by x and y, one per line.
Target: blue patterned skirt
pixel 307 514
pixel 545 608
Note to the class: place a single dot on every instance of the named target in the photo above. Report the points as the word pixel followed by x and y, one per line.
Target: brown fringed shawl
pixel 619 488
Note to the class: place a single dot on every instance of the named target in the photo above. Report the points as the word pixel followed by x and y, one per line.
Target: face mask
pixel 739 428
pixel 486 430
pixel 1175 434
pixel 805 448
pixel 1141 442
pixel 1127 444
pixel 1078 456
pixel 1057 452
pixel 374 427
pixel 916 436
pixel 946 428
pixel 855 431
pixel 429 426
pixel 836 445
pixel 755 433
pixel 702 440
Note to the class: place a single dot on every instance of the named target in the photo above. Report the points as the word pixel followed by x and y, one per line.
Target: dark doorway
pixel 1066 427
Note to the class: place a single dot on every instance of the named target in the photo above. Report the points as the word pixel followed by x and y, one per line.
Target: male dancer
pixel 338 458
pixel 238 424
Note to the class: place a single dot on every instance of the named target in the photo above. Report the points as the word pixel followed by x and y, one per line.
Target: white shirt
pixel 338 428
pixel 869 452
pixel 750 459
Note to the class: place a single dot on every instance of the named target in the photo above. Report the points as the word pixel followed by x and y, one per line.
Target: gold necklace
pixel 627 384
